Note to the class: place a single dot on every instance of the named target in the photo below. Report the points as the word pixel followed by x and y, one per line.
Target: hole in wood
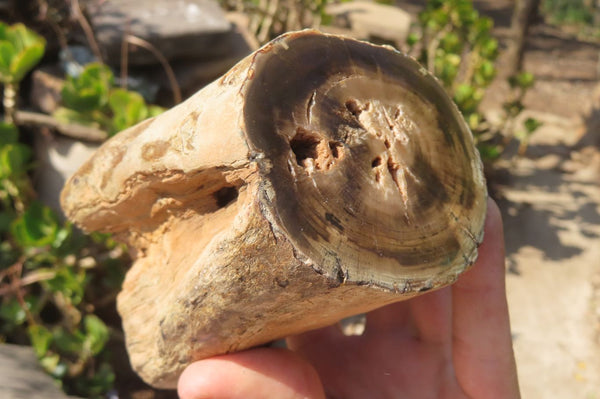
pixel 225 196
pixel 393 168
pixel 353 107
pixel 304 146
pixel 336 149
pixel 376 162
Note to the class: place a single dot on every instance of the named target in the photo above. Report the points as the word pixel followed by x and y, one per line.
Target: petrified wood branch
pixel 319 178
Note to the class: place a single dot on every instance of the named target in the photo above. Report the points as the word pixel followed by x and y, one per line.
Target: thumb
pixel 256 373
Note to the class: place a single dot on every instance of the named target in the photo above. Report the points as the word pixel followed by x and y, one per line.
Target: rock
pixel 45 91
pixel 375 22
pixel 58 157
pixel 192 75
pixel 177 28
pixel 241 23
pixel 21 377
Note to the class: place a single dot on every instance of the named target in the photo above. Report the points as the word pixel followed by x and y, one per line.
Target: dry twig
pixel 136 41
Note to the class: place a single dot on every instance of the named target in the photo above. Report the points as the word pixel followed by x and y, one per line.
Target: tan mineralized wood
pixel 321 177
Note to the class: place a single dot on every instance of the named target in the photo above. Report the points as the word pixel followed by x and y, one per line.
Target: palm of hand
pixel 394 358
pixel 405 352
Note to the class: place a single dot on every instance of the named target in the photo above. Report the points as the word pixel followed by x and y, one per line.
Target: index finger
pixel 481 336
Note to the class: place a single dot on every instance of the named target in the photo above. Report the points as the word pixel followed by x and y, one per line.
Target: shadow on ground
pixel 544 206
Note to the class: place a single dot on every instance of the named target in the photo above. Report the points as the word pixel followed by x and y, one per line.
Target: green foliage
pixel 489 151
pixel 569 11
pixel 35 228
pixel 269 19
pixel 20 50
pixel 519 84
pixel 522 81
pixel 41 338
pixel 53 280
pixel 90 90
pixel 456 44
pixel 128 108
pixel 91 99
pixel 530 125
pixel 14 182
pixel 459 49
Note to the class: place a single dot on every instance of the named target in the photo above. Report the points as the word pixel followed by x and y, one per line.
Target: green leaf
pixel 488 48
pixel 9 134
pixel 12 312
pixel 69 343
pixel 25 37
pixel 446 67
pixel 90 90
pixel 66 115
pixel 14 160
pixel 7 54
pixel 41 338
pixel 155 110
pixel 3 30
pixel 513 108
pixel 53 365
pixel 96 333
pixel 49 363
pixel 62 236
pixel 485 73
pixel 489 152
pixel 523 80
pixel 25 61
pixel 20 50
pixel 463 93
pixel 531 125
pixel 99 383
pixel 413 39
pixel 70 282
pixel 326 19
pixel 467 98
pixel 128 108
pixel 451 43
pixel 473 120
pixel 6 219
pixel 37 227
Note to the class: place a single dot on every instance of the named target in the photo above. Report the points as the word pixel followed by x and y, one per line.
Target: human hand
pixel 451 343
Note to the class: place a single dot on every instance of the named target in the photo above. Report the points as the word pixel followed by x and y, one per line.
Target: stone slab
pixel 21 377
pixel 177 28
pixel 192 75
pixel 58 157
pixel 378 23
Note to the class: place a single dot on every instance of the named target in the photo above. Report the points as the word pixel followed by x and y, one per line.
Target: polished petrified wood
pixel 319 178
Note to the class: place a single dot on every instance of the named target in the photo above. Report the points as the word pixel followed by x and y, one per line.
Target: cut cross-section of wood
pixel 321 177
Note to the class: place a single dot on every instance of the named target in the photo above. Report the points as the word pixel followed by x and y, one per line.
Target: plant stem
pixel 87 29
pixel 10 101
pixel 136 41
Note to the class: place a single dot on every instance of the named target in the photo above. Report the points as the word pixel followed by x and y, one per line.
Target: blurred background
pixel 524 73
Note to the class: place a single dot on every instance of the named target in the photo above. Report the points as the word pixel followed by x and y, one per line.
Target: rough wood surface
pixel 321 177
